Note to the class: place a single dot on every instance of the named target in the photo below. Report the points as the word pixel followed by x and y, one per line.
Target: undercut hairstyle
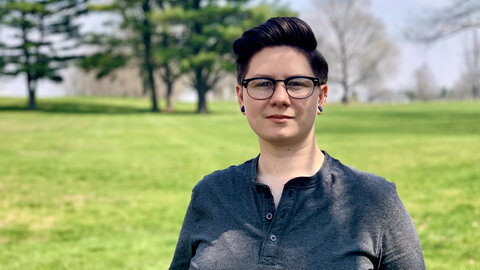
pixel 280 31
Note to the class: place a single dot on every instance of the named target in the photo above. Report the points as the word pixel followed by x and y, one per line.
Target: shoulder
pixel 222 179
pixel 363 186
pixel 372 198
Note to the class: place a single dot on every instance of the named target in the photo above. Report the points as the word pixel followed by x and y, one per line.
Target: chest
pixel 306 231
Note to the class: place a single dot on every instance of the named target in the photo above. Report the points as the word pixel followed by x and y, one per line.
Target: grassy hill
pixel 101 183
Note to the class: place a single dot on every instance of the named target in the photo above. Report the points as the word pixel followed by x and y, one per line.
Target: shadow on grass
pixel 97 108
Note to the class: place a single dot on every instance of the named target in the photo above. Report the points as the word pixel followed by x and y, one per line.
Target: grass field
pixel 96 183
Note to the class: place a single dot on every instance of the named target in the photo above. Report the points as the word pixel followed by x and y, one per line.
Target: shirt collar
pixel 297 182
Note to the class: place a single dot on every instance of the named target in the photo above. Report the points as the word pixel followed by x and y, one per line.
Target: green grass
pixel 101 183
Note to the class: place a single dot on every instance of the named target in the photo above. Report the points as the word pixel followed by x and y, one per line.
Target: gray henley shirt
pixel 339 218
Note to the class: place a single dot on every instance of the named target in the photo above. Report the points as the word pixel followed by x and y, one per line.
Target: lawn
pixel 101 183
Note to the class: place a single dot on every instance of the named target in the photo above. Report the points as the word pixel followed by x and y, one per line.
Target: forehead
pixel 279 62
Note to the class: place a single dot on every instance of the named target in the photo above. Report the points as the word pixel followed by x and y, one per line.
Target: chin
pixel 279 138
pixel 287 136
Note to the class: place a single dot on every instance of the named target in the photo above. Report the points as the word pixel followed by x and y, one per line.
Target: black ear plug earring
pixel 320 108
pixel 242 109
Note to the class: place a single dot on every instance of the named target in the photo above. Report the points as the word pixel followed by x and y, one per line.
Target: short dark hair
pixel 280 31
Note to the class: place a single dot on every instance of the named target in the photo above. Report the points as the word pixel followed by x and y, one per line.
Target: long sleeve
pixel 400 243
pixel 185 249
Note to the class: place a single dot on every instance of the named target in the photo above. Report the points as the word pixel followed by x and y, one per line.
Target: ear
pixel 239 91
pixel 322 96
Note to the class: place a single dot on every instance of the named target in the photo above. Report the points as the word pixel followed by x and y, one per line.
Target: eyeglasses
pixel 264 87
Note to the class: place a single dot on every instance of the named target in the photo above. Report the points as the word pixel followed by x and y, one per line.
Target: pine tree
pixel 43 41
pixel 130 40
pixel 174 38
pixel 209 28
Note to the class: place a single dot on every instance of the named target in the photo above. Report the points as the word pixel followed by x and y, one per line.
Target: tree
pixel 207 31
pixel 43 39
pixel 3 62
pixel 354 43
pixel 426 87
pixel 458 16
pixel 131 42
pixel 167 56
pixel 472 61
pixel 468 85
pixel 177 37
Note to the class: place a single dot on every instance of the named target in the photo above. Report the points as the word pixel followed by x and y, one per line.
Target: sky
pixel 444 57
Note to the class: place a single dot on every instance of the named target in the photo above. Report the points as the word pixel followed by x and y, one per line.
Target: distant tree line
pixel 166 39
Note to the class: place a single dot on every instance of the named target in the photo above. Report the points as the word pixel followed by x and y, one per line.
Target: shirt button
pixel 269 216
pixel 273 238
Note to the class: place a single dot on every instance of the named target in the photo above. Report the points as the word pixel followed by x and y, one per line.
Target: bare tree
pixel 472 66
pixel 468 85
pixel 458 16
pixel 426 87
pixel 354 43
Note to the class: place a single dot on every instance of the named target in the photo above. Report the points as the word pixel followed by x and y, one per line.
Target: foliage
pixel 107 193
pixel 185 37
pixel 130 39
pixel 43 38
pixel 208 29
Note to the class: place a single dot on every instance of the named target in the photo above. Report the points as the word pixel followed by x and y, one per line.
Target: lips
pixel 279 118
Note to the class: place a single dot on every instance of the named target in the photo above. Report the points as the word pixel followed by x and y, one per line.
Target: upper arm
pixel 185 249
pixel 401 247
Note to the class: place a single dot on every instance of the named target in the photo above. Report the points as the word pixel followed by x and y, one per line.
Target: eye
pixel 300 83
pixel 260 83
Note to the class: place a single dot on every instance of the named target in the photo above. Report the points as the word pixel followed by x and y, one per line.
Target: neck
pixel 280 163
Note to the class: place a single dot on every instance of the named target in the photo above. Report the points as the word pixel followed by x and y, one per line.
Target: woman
pixel 294 206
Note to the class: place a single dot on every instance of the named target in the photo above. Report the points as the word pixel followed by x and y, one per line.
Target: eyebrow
pixel 270 76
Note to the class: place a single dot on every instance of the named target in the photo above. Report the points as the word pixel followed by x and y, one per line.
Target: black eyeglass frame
pixel 316 82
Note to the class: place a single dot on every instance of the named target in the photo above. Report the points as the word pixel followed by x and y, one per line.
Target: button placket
pixel 269 247
pixel 273 238
pixel 269 209
pixel 271 244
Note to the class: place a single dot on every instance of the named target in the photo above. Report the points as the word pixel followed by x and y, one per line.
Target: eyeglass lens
pixel 263 88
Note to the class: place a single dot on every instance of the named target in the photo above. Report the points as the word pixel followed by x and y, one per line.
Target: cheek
pixel 308 116
pixel 307 110
pixel 253 113
pixel 253 117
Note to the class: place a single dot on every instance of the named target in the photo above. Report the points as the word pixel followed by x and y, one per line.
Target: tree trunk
pixel 31 94
pixel 344 63
pixel 346 94
pixel 476 65
pixel 153 91
pixel 202 87
pixel 31 100
pixel 202 101
pixel 147 42
pixel 30 80
pixel 145 84
pixel 169 85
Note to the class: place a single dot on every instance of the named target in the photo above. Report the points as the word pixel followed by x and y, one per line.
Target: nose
pixel 280 96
